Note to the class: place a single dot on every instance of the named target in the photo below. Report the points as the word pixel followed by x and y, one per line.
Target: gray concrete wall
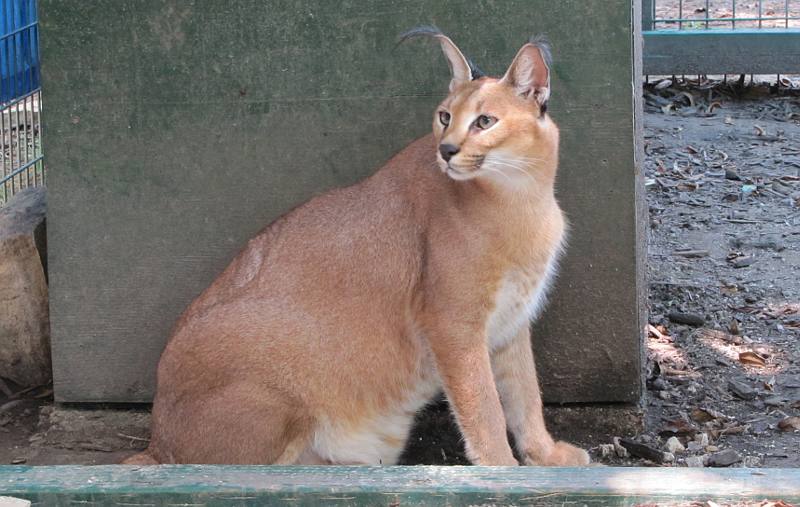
pixel 176 129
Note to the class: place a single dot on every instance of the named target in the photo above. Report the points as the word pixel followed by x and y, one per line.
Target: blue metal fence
pixel 19 49
pixel 21 160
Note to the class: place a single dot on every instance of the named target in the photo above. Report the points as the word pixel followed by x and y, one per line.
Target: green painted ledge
pixel 184 485
pixel 720 51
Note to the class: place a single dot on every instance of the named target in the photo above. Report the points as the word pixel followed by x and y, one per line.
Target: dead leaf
pixel 710 109
pixel 760 131
pixel 713 334
pixel 666 83
pixel 774 503
pixel 789 424
pixel 688 96
pixel 703 414
pixel 734 430
pixel 751 358
pixel 653 330
pixel 678 427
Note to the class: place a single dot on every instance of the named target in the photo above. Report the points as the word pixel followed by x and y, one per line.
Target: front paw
pixel 562 455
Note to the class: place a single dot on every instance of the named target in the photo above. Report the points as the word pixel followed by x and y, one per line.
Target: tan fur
pixel 340 320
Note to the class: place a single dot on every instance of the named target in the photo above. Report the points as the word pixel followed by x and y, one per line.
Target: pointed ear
pixel 460 69
pixel 529 73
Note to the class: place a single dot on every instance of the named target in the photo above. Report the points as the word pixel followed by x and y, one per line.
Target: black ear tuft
pixel 419 31
pixel 475 70
pixel 541 42
pixel 433 31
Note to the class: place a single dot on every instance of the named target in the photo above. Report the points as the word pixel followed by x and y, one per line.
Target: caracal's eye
pixel 444 117
pixel 484 122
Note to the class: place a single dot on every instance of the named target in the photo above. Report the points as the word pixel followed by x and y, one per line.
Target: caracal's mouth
pixel 461 173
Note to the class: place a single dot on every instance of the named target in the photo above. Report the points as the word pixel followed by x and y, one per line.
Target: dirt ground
pixel 723 189
pixel 723 180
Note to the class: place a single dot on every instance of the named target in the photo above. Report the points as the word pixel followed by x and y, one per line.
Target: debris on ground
pixel 724 275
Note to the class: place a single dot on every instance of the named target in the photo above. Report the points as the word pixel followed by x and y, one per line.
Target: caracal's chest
pixel 519 299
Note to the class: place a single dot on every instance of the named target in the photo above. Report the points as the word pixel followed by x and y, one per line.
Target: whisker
pixel 501 173
pixel 511 165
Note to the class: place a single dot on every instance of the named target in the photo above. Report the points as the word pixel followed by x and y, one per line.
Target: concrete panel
pixel 176 129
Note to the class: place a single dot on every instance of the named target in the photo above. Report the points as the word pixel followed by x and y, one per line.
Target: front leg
pixel 515 374
pixel 462 359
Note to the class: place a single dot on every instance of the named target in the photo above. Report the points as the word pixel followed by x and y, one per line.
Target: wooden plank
pixel 394 486
pixel 177 129
pixel 746 51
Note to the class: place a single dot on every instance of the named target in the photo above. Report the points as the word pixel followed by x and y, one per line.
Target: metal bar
pixel 19 170
pixel 707 13
pixel 5 168
pixel 680 14
pixel 11 103
pixel 14 58
pixel 29 106
pixel 741 51
pixel 31 132
pixel 14 112
pixel 17 152
pixel 733 15
pixel 37 147
pixel 760 14
pixel 27 140
pixel 649 14
pixel 786 12
pixel 18 30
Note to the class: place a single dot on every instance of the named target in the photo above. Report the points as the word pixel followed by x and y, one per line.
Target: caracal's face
pixel 484 129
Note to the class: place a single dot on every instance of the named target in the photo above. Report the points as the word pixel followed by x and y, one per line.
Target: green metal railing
pixel 354 486
pixel 721 36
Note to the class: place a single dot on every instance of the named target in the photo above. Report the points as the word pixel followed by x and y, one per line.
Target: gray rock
pixel 674 446
pixel 774 401
pixel 24 314
pixel 695 446
pixel 724 458
pixel 607 450
pixel 743 262
pixel 695 461
pixel 742 390
pixel 645 451
pixel 690 319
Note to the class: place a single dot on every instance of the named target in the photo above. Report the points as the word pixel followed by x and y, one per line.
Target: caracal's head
pixel 496 128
